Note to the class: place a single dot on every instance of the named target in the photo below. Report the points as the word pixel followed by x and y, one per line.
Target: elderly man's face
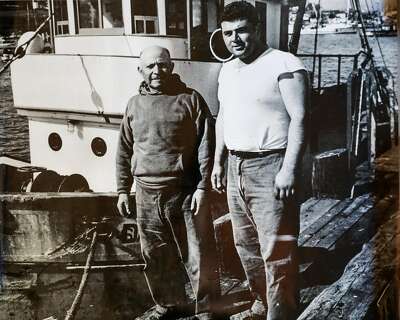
pixel 240 37
pixel 155 67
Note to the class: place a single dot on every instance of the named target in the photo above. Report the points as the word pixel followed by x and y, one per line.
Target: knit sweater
pixel 166 140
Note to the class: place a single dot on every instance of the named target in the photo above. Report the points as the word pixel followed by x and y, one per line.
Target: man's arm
pixel 205 151
pixel 294 92
pixel 220 154
pixel 123 165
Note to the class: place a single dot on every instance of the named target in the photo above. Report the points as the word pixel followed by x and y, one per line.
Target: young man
pixel 262 94
pixel 166 145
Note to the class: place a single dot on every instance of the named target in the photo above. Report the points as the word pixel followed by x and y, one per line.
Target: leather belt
pixel 256 154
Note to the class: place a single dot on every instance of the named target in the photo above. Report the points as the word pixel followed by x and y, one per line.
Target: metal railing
pixel 319 60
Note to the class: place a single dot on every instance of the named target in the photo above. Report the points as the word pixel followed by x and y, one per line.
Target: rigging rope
pixel 21 49
pixel 316 43
pixel 374 32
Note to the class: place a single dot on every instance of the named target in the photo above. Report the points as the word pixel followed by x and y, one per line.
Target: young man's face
pixel 240 37
pixel 155 67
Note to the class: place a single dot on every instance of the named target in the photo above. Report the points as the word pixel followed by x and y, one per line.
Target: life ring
pixel 212 50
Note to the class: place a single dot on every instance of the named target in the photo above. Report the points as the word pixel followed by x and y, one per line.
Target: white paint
pixel 59 82
pixel 126 15
pixel 120 45
pixel 230 1
pixel 75 155
pixel 162 21
pixel 71 17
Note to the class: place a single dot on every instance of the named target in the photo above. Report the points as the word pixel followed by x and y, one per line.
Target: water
pixel 349 44
pixel 14 129
pixel 14 132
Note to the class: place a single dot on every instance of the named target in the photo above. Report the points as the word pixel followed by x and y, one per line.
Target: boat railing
pixel 343 62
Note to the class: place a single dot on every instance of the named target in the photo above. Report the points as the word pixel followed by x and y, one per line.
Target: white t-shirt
pixel 255 117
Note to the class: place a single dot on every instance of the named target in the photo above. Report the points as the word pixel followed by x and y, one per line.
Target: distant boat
pixel 330 28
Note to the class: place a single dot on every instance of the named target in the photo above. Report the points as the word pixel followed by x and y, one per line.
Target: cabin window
pixel 176 17
pixel 88 14
pixel 144 16
pixel 55 141
pixel 99 16
pixel 61 17
pixel 99 147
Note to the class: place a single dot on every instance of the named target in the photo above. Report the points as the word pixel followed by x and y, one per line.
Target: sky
pixel 342 4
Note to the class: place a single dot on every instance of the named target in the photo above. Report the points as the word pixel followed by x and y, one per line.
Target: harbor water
pixel 14 136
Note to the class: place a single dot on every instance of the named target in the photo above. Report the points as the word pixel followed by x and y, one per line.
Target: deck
pixel 347 248
pixel 348 263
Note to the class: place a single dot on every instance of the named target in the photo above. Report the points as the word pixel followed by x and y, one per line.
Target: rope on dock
pixel 79 294
pixel 78 245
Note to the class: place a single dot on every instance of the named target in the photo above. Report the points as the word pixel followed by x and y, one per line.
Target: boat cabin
pixel 108 27
pixel 75 97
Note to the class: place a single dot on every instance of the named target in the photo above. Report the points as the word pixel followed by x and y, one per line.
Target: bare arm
pixel 220 154
pixel 294 92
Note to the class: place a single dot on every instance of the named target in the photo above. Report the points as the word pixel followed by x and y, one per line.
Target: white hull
pixel 63 94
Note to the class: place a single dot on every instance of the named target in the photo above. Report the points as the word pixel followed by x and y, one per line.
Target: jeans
pixel 178 248
pixel 265 232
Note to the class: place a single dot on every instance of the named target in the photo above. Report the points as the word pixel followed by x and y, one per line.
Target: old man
pixel 166 146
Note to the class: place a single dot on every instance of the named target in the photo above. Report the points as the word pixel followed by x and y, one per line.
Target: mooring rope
pixel 79 294
pixel 21 49
pixel 78 245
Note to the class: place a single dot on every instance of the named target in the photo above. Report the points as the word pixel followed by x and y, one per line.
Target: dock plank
pixel 346 223
pixel 312 228
pixel 326 229
pixel 310 214
pixel 363 280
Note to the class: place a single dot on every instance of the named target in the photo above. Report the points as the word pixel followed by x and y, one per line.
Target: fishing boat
pixel 60 223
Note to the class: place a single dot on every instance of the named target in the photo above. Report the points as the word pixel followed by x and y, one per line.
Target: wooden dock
pixel 347 248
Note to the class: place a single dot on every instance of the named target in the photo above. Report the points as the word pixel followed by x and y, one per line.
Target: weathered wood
pixel 34 224
pixel 363 280
pixel 331 176
pixel 308 204
pixel 229 261
pixel 16 306
pixel 324 227
pixel 347 222
pixel 308 232
pixel 342 224
pixel 309 215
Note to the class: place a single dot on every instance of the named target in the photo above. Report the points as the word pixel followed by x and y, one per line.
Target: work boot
pixel 258 311
pixel 205 316
pixel 158 313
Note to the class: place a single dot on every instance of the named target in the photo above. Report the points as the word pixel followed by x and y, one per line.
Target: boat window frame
pixel 98 30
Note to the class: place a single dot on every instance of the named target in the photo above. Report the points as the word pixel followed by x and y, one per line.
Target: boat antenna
pixel 374 32
pixel 362 32
pixel 318 12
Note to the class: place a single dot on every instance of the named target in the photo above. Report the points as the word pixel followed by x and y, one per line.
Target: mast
pixel 51 23
pixel 298 24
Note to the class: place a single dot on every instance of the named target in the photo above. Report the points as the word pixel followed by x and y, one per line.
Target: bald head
pixel 155 51
pixel 155 67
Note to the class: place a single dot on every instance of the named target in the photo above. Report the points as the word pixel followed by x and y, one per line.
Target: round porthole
pixel 55 141
pixel 99 147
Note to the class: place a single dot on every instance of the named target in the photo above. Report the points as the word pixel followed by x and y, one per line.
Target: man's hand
pixel 284 184
pixel 123 205
pixel 217 177
pixel 198 201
